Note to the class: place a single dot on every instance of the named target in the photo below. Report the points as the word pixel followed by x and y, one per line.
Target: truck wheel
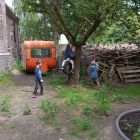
pixel 67 68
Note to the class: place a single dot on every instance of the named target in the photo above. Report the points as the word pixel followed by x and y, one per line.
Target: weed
pixel 12 126
pixel 5 104
pixel 5 78
pixel 103 103
pixel 50 107
pixel 80 125
pixel 76 96
pixel 137 135
pixel 9 114
pixel 88 111
pixel 52 121
pixel 27 110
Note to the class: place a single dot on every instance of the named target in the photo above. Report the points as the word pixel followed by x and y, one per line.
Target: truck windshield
pixel 40 52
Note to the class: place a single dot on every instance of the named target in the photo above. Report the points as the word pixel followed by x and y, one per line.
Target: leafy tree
pixel 33 26
pixel 79 19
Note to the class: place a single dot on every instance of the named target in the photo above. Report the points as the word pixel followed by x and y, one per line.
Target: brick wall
pixel 3 28
pixel 5 62
pixel 5 57
pixel 9 36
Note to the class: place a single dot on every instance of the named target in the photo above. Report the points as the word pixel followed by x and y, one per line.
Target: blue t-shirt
pixel 93 71
pixel 38 73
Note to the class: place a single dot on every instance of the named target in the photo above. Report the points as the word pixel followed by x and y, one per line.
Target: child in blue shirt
pixel 38 78
pixel 94 72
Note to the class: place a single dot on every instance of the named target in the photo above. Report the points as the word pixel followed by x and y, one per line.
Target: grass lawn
pixel 83 103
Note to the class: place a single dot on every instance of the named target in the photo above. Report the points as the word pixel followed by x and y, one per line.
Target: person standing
pixel 38 79
pixel 94 73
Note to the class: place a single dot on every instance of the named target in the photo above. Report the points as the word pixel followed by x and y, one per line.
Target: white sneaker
pixel 61 68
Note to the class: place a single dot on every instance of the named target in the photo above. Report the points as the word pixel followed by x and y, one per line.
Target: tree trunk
pixel 74 78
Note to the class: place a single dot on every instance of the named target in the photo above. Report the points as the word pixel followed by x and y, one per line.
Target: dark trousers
pixel 38 85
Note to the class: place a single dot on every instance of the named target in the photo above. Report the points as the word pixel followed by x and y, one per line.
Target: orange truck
pixel 34 50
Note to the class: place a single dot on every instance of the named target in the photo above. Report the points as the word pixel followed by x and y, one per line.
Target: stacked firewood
pixel 118 65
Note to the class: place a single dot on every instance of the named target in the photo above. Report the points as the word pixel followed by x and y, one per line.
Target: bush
pixel 27 110
pixel 5 104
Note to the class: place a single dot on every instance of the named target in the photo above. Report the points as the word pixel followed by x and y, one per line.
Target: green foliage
pixel 9 114
pixel 17 64
pixel 33 26
pixel 5 78
pixel 26 110
pixel 88 111
pixel 76 96
pixel 78 126
pixel 125 94
pixel 103 103
pixel 57 81
pixel 50 107
pixel 52 121
pixel 137 135
pixel 5 104
pixel 122 98
pixel 79 19
pixel 133 90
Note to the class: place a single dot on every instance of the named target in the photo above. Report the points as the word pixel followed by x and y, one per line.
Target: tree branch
pixel 92 29
pixel 66 30
pixel 76 32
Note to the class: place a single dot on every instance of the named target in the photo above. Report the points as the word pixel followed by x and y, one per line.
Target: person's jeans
pixel 38 85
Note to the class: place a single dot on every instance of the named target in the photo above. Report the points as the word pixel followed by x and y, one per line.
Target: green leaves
pixel 78 19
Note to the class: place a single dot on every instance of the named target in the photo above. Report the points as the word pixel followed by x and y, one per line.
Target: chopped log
pixel 131 71
pixel 132 80
pixel 132 76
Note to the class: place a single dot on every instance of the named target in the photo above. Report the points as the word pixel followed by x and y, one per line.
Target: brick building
pixel 9 36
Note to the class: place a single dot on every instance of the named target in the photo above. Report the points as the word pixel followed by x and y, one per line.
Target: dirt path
pixel 20 127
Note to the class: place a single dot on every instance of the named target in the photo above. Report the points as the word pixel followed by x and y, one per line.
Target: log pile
pixel 123 66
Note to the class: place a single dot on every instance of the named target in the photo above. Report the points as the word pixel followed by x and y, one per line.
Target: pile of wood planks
pixel 122 67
